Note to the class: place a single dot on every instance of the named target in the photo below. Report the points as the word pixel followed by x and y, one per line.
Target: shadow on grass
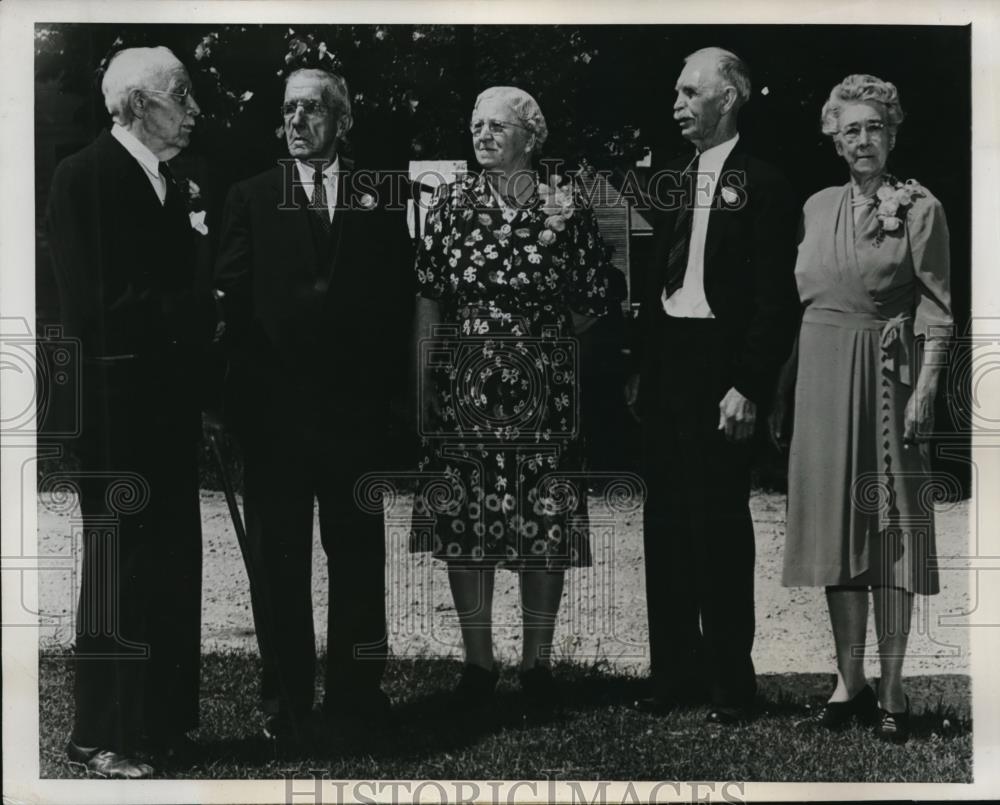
pixel 593 733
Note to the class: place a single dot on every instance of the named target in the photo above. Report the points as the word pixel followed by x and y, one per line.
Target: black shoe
pixel 668 699
pixel 894 727
pixel 287 737
pixel 656 705
pixel 727 716
pixel 862 707
pixel 539 686
pixel 174 751
pixel 476 686
pixel 106 763
pixel 372 706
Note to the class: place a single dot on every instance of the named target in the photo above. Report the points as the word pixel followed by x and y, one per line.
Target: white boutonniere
pixel 198 222
pixel 894 199
pixel 367 201
pixel 194 204
pixel 729 196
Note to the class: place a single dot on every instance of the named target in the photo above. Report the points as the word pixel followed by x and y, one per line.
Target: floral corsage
pixel 557 205
pixel 894 199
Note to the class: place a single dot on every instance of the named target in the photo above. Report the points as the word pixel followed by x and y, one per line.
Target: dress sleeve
pixel 595 285
pixel 929 247
pixel 433 251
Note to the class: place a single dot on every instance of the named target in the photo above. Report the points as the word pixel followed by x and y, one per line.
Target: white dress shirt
pixel 688 301
pixel 330 178
pixel 146 158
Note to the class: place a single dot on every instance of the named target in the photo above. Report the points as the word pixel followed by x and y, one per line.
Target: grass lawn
pixel 596 736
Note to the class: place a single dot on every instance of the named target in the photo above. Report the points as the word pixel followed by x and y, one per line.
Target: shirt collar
pixel 306 170
pixel 146 158
pixel 717 154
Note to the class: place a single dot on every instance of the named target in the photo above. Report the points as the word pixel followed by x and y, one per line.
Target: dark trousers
pixel 284 475
pixel 138 629
pixel 698 532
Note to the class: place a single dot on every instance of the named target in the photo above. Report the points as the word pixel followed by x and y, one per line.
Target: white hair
pixel 524 107
pixel 732 69
pixel 132 69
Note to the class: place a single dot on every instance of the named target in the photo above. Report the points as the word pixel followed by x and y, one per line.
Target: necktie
pixel 319 205
pixel 680 242
pixel 168 176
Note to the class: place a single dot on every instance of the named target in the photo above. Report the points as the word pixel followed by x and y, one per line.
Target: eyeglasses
pixel 310 108
pixel 495 127
pixel 184 94
pixel 874 129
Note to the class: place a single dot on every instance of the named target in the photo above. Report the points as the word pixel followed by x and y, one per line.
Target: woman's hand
pixel 918 421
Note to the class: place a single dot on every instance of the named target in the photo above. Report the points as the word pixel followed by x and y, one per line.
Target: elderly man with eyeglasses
pixel 123 250
pixel 314 265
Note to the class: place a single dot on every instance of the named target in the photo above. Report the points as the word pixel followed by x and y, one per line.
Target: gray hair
pixel 732 69
pixel 525 109
pixel 859 88
pixel 132 69
pixel 335 92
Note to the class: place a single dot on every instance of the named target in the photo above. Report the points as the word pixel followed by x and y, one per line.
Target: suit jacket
pixel 749 275
pixel 125 269
pixel 318 325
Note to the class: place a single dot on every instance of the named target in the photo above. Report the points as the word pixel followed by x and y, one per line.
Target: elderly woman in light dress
pixel 873 275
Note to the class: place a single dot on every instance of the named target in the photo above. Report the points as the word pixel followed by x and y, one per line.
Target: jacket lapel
pixel 721 216
pixel 294 224
pixel 341 212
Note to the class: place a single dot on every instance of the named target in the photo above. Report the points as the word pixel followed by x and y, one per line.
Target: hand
pixel 632 396
pixel 737 416
pixel 918 419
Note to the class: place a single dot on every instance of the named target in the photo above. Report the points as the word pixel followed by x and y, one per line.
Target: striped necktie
pixel 677 257
pixel 319 201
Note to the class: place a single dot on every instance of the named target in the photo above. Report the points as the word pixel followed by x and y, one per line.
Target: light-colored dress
pixel 860 504
pixel 502 477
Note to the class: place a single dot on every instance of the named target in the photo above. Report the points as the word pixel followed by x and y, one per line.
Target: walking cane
pixel 241 537
pixel 234 509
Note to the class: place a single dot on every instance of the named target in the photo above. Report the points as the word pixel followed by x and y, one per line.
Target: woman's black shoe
pixel 894 727
pixel 539 686
pixel 477 685
pixel 836 715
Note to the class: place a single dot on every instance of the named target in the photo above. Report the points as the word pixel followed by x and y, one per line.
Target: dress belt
pixel 898 352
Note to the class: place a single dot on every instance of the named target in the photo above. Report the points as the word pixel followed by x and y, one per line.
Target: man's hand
pixel 737 416
pixel 632 395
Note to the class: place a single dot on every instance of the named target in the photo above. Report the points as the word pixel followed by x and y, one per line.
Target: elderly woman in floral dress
pixel 873 273
pixel 510 269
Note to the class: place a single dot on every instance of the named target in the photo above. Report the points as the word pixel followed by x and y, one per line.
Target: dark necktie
pixel 680 241
pixel 168 175
pixel 319 205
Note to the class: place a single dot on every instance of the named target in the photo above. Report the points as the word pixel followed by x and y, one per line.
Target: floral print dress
pixel 501 468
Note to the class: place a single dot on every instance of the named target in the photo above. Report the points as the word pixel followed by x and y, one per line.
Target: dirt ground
pixel 603 614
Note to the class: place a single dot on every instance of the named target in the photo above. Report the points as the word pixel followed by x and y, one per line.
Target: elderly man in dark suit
pixel 316 271
pixel 718 317
pixel 123 253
